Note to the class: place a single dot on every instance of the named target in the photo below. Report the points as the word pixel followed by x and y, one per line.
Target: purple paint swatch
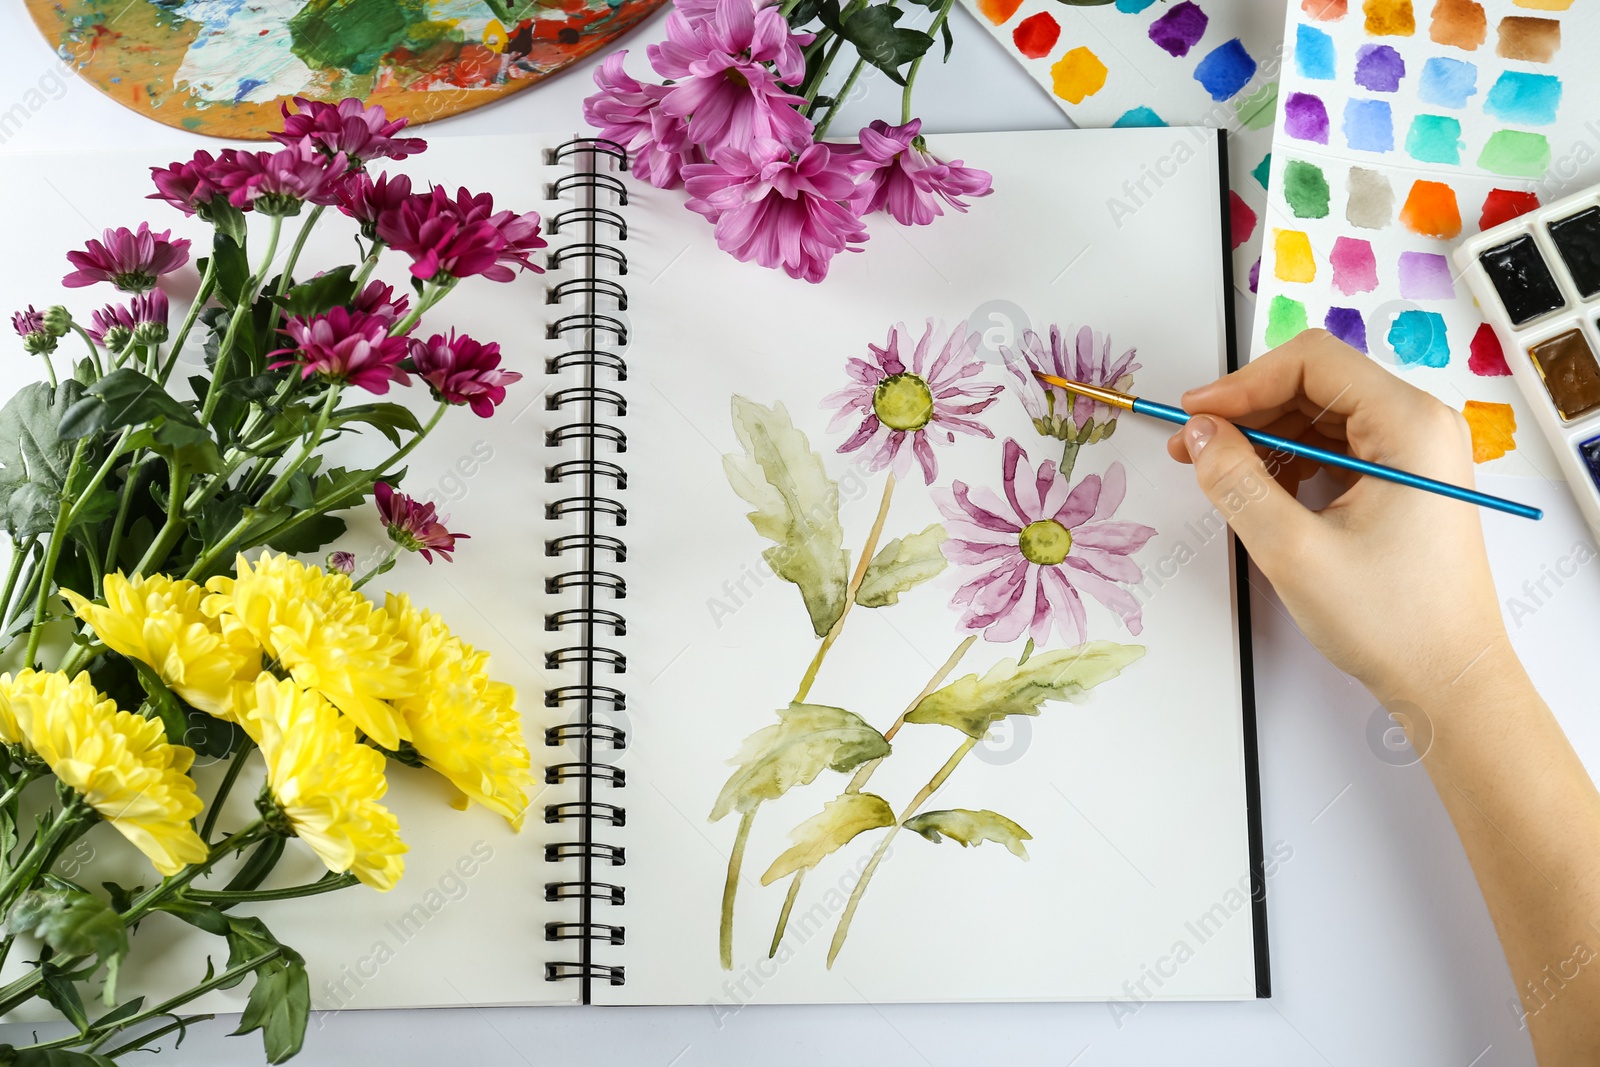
pixel 1179 29
pixel 1255 275
pixel 1379 68
pixel 1305 118
pixel 1346 324
pixel 1425 276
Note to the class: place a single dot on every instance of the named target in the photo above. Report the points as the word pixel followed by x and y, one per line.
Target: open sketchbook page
pixel 466 922
pixel 1129 803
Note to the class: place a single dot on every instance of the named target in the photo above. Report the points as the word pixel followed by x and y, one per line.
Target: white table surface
pixel 1382 949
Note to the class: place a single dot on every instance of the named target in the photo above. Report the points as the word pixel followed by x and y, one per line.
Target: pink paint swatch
pixel 1425 276
pixel 1241 218
pixel 1355 269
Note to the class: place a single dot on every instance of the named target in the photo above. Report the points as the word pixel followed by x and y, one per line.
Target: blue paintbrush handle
pixel 1334 459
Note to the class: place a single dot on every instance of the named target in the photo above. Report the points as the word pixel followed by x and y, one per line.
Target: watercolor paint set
pixel 1537 282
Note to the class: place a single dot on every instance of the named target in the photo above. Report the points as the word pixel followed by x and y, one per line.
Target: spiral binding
pixel 591 332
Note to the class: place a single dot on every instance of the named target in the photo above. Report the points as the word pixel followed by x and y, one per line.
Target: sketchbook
pixel 844 688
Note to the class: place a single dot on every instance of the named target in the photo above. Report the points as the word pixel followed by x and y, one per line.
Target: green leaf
pixel 233 270
pixel 902 565
pixel 124 397
pixel 202 916
pixel 161 703
pixel 883 44
pixel 62 995
pixel 842 820
pixel 54 1057
pixel 797 507
pixel 387 418
pixel 310 535
pixel 248 937
pixel 33 457
pixel 73 923
pixel 120 1012
pixel 806 740
pixel 972 704
pixel 279 1006
pixel 319 294
pixel 969 828
pixel 255 869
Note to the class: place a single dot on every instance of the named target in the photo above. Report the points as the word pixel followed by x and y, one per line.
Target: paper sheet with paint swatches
pixel 1143 63
pixel 1402 126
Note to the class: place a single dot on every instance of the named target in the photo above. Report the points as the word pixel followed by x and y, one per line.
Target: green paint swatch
pixel 1516 153
pixel 1434 139
pixel 1305 189
pixel 1262 170
pixel 1285 318
pixel 1257 110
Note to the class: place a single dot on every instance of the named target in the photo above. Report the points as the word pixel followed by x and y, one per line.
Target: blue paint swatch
pixel 1447 82
pixel 1262 170
pixel 1369 125
pixel 1313 53
pixel 1227 69
pixel 1346 324
pixel 1434 139
pixel 1379 68
pixel 1133 7
pixel 1138 116
pixel 1418 339
pixel 1531 99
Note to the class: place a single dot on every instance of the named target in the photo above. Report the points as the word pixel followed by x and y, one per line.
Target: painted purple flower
pixel 1084 358
pixel 378 301
pixel 519 233
pixel 459 370
pixel 143 320
pixel 415 526
pixel 36 337
pixel 722 85
pixel 1036 552
pixel 277 183
pixel 349 129
pixel 778 211
pixel 188 186
pixel 341 561
pixel 346 346
pixel 364 199
pixel 131 260
pixel 628 112
pixel 902 178
pixel 911 397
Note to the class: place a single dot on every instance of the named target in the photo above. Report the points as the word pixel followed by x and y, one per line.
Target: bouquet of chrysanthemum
pixel 741 117
pixel 133 507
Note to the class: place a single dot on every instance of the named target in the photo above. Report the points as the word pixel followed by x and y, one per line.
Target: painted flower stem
pixel 938 779
pixel 1069 458
pixel 730 888
pixel 208 283
pixel 783 915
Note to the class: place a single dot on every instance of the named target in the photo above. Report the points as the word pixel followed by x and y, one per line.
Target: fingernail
pixel 1197 433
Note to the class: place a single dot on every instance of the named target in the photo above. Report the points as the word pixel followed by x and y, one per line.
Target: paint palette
pixel 1537 279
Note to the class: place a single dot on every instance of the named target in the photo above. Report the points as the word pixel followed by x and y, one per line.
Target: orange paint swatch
pixel 1078 75
pixel 1326 10
pixel 1390 18
pixel 1528 39
pixel 998 11
pixel 1431 210
pixel 1459 23
pixel 1292 260
pixel 1493 427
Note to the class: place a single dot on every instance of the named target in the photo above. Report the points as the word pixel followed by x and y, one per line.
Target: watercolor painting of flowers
pixel 1024 552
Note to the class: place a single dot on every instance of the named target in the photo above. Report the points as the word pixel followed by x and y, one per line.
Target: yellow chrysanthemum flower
pixel 119 762
pixel 325 782
pixel 158 621
pixel 327 635
pixel 462 724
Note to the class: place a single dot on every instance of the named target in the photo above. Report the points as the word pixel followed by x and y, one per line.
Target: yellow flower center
pixel 1045 542
pixel 903 402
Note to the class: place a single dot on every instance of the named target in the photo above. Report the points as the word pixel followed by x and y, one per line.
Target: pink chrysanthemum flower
pixel 722 86
pixel 1040 549
pixel 519 234
pixel 277 183
pixel 143 320
pixel 459 370
pixel 909 398
pixel 778 211
pixel 462 236
pixel 348 128
pixel 36 337
pixel 1084 358
pixel 364 199
pixel 187 186
pixel 378 301
pixel 905 180
pixel 131 260
pixel 628 112
pixel 346 346
pixel 415 526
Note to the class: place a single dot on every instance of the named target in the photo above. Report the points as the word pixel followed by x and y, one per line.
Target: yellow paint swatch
pixel 1492 427
pixel 1543 5
pixel 1389 18
pixel 1077 75
pixel 1291 256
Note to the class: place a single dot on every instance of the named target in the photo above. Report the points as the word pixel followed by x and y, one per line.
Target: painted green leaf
pixel 797 507
pixel 901 565
pixel 840 822
pixel 968 828
pixel 806 740
pixel 972 704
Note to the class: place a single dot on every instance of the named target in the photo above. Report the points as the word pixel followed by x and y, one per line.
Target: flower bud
pixel 39 342
pixel 150 333
pixel 343 562
pixel 116 338
pixel 57 320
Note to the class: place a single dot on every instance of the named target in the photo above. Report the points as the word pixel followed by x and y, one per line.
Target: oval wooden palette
pixel 223 67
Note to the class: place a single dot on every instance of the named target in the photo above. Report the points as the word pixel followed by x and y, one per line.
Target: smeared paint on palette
pixel 224 68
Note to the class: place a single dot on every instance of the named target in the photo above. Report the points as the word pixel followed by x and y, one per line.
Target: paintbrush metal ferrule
pixel 1095 392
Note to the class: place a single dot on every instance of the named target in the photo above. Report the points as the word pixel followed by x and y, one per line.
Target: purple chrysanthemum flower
pixel 905 180
pixel 143 320
pixel 415 526
pixel 346 346
pixel 36 337
pixel 460 370
pixel 460 237
pixel 131 260
pixel 909 398
pixel 188 186
pixel 520 233
pixel 364 199
pixel 1085 357
pixel 628 111
pixel 378 301
pixel 348 128
pixel 277 183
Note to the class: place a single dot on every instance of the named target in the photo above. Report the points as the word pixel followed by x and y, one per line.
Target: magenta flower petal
pixel 348 129
pixel 1086 357
pixel 459 370
pixel 131 260
pixel 414 525
pixel 346 346
pixel 904 180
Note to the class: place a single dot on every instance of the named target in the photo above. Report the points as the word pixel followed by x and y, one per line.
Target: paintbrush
pixel 1168 413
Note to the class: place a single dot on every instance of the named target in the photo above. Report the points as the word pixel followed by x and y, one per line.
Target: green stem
pixel 120 523
pixel 167 536
pixel 368 264
pixel 50 369
pixel 147 901
pixel 432 293
pixel 1069 458
pixel 378 568
pixel 916 64
pixel 208 282
pixel 223 789
pixel 32 862
pixel 730 888
pixel 844 91
pixel 938 779
pixel 94 349
pixel 58 539
pixel 865 773
pixel 232 974
pixel 252 290
pixel 328 883
pixel 26 778
pixel 814 83
pixel 783 916
pixel 284 279
pixel 19 555
pixel 99 476
pixel 161 1031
